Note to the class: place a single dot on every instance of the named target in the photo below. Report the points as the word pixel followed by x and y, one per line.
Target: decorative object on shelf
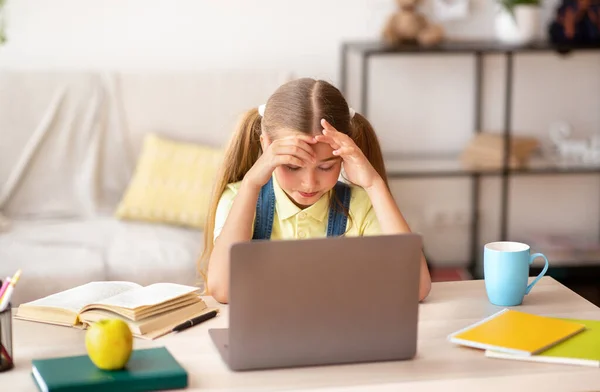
pixel 568 149
pixel 445 10
pixel 407 25
pixel 486 151
pixel 517 21
pixel 576 22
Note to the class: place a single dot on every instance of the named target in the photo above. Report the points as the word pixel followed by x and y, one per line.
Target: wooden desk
pixel 438 365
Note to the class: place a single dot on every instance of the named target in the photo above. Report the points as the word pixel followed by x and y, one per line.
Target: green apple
pixel 109 344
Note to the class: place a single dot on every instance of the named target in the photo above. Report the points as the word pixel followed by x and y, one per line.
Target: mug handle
pixel 531 258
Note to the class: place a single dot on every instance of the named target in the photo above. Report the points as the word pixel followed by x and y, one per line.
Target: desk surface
pixel 439 364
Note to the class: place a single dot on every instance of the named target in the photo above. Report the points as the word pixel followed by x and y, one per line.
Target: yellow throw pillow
pixel 172 183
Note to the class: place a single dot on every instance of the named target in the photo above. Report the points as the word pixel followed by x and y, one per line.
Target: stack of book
pixel 150 311
pixel 510 334
pixel 486 151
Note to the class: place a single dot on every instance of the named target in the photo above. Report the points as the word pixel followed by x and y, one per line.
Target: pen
pixel 195 321
pixel 5 300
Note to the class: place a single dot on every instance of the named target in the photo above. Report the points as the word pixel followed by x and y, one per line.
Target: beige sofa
pixel 68 147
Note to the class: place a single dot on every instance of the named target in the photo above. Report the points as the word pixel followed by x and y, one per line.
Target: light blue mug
pixel 506 271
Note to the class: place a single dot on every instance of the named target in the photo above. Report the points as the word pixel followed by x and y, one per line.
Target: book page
pixel 149 324
pixel 76 298
pixel 148 296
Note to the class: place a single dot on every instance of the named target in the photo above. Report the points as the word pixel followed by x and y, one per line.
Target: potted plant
pixel 2 33
pixel 517 21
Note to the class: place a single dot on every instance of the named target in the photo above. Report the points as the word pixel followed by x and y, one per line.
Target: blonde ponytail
pixel 363 134
pixel 243 150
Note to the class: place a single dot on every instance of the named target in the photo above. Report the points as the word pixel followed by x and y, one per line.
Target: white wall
pixel 304 37
pixel 184 34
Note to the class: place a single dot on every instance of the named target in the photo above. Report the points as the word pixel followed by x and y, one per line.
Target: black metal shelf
pixel 464 47
pixel 434 167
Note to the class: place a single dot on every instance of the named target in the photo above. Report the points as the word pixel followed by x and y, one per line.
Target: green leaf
pixel 509 5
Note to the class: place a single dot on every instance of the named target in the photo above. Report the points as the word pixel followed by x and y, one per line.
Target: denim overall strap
pixel 265 212
pixel 336 224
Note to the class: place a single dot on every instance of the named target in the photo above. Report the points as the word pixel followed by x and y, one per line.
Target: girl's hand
pixel 292 150
pixel 358 168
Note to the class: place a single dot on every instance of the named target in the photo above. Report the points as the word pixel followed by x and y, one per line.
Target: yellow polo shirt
pixel 292 222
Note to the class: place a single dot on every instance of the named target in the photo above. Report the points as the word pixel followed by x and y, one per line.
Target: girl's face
pixel 305 185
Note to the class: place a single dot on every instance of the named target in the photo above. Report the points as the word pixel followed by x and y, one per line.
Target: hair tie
pixel 261 109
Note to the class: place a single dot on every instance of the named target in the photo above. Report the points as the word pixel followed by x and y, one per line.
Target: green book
pixel 147 370
pixel 582 349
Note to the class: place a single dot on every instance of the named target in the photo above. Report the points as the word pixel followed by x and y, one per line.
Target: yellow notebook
pixel 515 332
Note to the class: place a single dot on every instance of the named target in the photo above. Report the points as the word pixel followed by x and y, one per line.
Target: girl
pixel 280 179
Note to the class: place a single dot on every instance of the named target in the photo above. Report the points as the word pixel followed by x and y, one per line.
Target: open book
pixel 150 311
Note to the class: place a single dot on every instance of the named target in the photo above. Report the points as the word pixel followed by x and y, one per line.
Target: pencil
pixel 5 353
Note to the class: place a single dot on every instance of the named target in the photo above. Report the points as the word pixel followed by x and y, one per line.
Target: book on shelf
pixel 518 333
pixel 486 151
pixel 582 349
pixel 150 311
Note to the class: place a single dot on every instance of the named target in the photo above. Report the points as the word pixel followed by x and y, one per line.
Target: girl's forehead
pixel 322 150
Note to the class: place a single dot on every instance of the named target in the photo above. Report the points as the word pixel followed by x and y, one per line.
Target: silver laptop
pixel 321 301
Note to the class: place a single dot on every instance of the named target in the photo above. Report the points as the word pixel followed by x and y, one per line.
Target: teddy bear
pixel 407 25
pixel 576 22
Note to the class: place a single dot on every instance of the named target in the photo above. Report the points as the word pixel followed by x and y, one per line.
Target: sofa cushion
pixel 89 233
pixel 148 253
pixel 172 183
pixel 56 255
pixel 48 268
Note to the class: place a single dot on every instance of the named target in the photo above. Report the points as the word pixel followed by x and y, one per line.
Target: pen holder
pixel 6 349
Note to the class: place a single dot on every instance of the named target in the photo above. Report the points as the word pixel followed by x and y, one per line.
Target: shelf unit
pixel 438 166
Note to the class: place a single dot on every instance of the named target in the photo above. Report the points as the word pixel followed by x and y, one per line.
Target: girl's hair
pixel 299 105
